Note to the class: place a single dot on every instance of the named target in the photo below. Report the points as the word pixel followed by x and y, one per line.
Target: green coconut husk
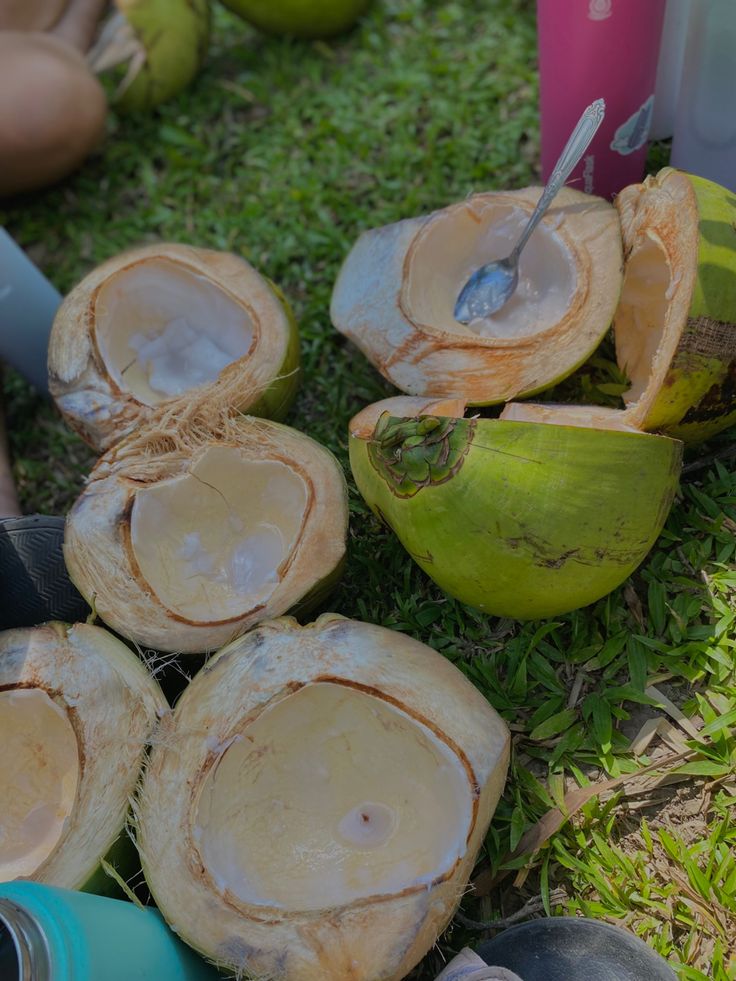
pixel 300 18
pixel 519 519
pixel 162 45
pixel 676 323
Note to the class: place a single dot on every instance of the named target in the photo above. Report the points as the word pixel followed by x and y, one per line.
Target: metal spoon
pixel 493 285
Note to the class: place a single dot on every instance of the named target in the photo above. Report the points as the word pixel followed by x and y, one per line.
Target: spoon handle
pixel 575 147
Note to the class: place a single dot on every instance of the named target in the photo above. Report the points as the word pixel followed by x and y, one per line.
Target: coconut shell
pixel 675 327
pixel 30 15
pixel 397 287
pixel 519 519
pixel 103 411
pixel 373 938
pixel 114 706
pixel 101 556
pixel 52 111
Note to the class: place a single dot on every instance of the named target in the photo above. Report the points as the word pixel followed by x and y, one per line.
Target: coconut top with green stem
pixel 675 326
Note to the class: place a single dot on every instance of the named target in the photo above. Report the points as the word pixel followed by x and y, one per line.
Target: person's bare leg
pixel 9 506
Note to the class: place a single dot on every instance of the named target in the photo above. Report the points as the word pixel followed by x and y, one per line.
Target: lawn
pixel 284 152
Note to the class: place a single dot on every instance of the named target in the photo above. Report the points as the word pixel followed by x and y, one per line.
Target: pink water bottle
pixel 592 49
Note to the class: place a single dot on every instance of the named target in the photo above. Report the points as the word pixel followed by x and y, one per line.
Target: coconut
pixel 152 328
pixel 300 18
pixel 161 43
pixel 315 805
pixel 77 709
pixel 52 110
pixel 30 15
pixel 183 539
pixel 395 295
pixel 520 519
pixel 675 326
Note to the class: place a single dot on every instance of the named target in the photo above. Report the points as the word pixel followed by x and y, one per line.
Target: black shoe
pixel 34 584
pixel 569 948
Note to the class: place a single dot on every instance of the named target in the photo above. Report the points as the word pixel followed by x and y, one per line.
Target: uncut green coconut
pixel 159 44
pixel 200 526
pixel 316 802
pixel 675 326
pixel 300 18
pixel 154 327
pixel 395 295
pixel 519 519
pixel 77 710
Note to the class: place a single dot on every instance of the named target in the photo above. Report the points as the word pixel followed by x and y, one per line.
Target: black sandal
pixel 561 948
pixel 34 584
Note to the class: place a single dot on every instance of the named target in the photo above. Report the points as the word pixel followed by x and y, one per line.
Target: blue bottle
pixel 50 934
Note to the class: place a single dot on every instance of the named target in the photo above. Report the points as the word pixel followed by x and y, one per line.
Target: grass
pixel 284 152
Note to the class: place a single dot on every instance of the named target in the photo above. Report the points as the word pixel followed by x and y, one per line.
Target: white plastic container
pixel 669 69
pixel 705 123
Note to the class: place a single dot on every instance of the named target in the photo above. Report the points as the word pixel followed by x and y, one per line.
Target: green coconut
pixel 77 712
pixel 519 519
pixel 675 325
pixel 162 45
pixel 300 18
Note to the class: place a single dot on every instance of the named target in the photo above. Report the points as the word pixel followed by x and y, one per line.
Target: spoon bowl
pixel 492 286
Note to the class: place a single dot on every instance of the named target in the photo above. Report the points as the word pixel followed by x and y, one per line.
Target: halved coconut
pixel 675 326
pixel 314 809
pixel 161 43
pixel 520 519
pixel 77 710
pixel 184 539
pixel 395 295
pixel 158 326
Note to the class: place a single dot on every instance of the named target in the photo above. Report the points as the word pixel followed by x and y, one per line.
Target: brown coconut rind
pixel 382 280
pixel 375 938
pixel 676 324
pixel 114 706
pixel 98 546
pixel 96 406
pixel 52 111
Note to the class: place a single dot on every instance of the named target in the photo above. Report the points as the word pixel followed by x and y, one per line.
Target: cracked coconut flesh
pixel 641 317
pixel 331 796
pixel 211 542
pixel 453 246
pixel 38 779
pixel 162 329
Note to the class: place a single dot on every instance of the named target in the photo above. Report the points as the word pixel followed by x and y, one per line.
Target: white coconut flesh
pixel 330 796
pixel 456 242
pixel 580 416
pixel 213 543
pixel 643 313
pixel 38 779
pixel 163 329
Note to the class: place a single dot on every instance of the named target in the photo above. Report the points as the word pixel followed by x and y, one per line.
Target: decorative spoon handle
pixel 575 147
